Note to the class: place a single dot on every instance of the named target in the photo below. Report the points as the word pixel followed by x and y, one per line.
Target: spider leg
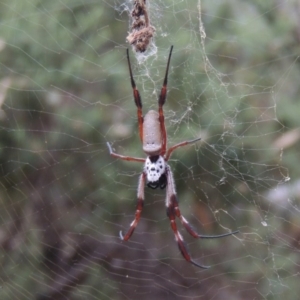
pixel 161 102
pixel 171 212
pixel 169 152
pixel 139 207
pixel 173 202
pixel 179 239
pixel 137 99
pixel 128 158
pixel 189 228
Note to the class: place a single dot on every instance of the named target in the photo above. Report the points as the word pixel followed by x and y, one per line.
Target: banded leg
pixel 137 99
pixel 139 207
pixel 171 212
pixel 128 158
pixel 170 151
pixel 161 102
pixel 189 228
pixel 179 239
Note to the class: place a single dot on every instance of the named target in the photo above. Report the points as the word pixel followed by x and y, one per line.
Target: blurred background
pixel 65 91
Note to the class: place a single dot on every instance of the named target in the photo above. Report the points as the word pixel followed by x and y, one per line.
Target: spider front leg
pixel 174 204
pixel 171 212
pixel 139 207
pixel 189 228
pixel 179 239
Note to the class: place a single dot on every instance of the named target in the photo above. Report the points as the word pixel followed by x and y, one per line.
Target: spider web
pixel 65 92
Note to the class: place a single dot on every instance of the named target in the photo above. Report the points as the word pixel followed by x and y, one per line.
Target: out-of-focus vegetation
pixel 65 92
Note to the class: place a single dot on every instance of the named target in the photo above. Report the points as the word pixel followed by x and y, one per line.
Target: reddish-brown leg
pixel 161 102
pixel 139 207
pixel 169 152
pixel 189 228
pixel 171 212
pixel 163 130
pixel 137 99
pixel 128 158
pixel 179 239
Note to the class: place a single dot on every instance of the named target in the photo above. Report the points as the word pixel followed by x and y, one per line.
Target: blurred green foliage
pixel 65 92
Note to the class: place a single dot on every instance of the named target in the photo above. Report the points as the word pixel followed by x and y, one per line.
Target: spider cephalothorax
pixel 156 171
pixel 155 168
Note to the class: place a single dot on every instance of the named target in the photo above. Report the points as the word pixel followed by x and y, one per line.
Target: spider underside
pixel 157 173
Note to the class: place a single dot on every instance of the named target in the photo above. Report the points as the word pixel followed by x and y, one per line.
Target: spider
pixel 156 170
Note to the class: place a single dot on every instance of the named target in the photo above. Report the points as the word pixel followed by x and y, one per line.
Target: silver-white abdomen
pixel 152 139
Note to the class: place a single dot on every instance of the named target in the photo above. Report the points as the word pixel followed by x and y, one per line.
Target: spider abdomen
pixel 152 140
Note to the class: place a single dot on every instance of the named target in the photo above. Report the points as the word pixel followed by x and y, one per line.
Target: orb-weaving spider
pixel 156 170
